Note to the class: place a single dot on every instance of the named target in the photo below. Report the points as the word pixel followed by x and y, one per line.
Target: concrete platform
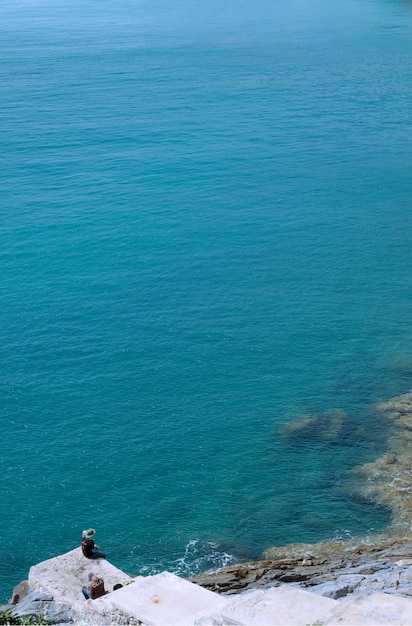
pixel 278 606
pixel 65 575
pixel 166 600
pixel 104 604
pixel 372 610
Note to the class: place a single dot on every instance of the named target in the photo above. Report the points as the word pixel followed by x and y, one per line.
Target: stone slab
pixel 64 576
pixel 372 610
pixel 278 606
pixel 166 600
pixel 104 605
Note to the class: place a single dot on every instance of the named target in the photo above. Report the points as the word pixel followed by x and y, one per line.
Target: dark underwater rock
pixel 328 426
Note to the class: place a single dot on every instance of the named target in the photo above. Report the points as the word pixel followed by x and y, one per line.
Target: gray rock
pixel 406 574
pixel 40 602
pixel 35 602
pixel 20 591
pixel 366 568
pixel 341 587
pixel 60 613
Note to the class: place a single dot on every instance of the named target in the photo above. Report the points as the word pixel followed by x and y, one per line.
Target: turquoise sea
pixel 205 233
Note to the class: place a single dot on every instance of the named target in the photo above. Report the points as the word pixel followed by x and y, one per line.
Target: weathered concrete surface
pixel 65 575
pixel 378 608
pixel 54 588
pixel 168 600
pixel 280 606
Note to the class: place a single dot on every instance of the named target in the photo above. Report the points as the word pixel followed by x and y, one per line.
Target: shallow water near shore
pixel 205 235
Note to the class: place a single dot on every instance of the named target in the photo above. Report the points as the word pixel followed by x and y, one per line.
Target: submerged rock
pixel 394 408
pixel 387 481
pixel 379 562
pixel 327 426
pixel 301 428
pixel 335 422
pixel 402 366
pixel 335 569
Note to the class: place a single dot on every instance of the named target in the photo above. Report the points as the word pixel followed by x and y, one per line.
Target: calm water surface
pixel 205 233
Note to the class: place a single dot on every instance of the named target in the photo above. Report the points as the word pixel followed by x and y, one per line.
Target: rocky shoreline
pixel 381 562
pixel 335 569
pixel 331 569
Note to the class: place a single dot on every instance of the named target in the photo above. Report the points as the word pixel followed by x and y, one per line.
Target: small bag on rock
pixel 97 588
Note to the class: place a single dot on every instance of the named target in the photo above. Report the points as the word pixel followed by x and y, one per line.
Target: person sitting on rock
pixel 89 548
pixel 95 589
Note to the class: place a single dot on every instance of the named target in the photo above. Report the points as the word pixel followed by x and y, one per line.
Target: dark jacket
pixel 87 546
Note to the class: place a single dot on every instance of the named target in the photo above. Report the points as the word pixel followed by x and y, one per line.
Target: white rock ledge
pixel 54 588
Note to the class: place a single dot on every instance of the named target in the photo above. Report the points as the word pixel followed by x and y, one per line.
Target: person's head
pixel 93 576
pixel 88 534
